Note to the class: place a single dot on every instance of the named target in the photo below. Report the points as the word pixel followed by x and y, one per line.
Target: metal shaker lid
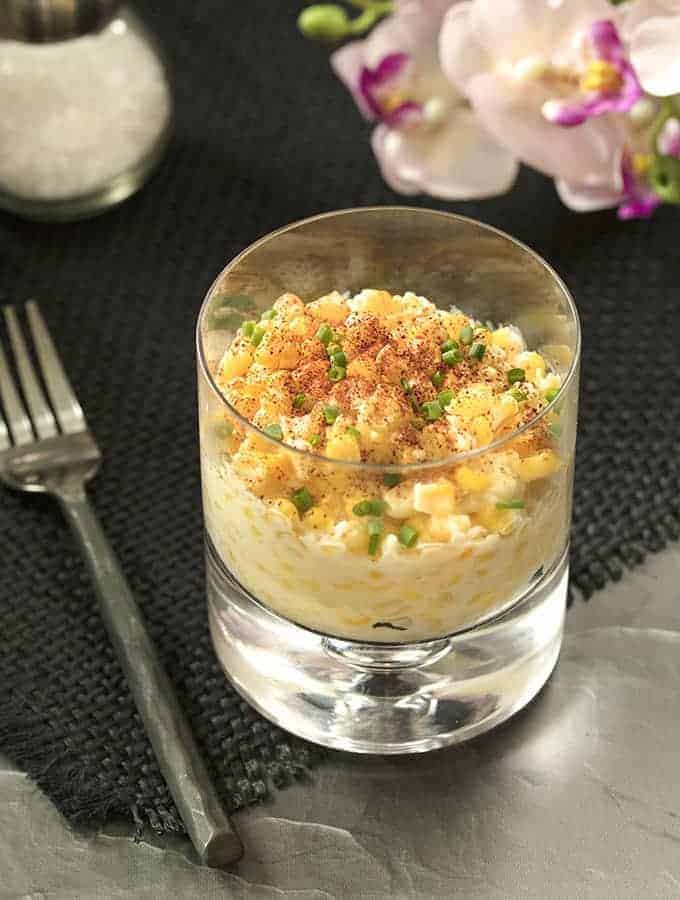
pixel 45 21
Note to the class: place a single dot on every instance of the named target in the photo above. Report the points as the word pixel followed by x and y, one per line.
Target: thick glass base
pixel 386 698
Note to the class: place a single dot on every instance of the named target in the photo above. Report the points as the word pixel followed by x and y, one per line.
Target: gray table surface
pixel 577 797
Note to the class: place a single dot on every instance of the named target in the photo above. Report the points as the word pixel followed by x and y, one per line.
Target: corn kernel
pixel 540 465
pixel 506 339
pixel 483 431
pixel 470 480
pixel 234 365
pixel 498 521
pixel 343 446
pixel 331 308
pixel 363 367
pixel 286 508
pixel 437 498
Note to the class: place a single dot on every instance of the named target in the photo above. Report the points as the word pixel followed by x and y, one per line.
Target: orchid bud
pixel 324 22
pixel 664 178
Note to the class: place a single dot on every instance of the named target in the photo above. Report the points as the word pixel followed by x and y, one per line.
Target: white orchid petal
pixel 461 56
pixel 387 168
pixel 512 29
pixel 458 160
pixel 511 111
pixel 655 54
pixel 582 198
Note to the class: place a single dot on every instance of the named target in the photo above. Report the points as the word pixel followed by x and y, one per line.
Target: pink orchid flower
pixel 510 59
pixel 427 138
pixel 652 28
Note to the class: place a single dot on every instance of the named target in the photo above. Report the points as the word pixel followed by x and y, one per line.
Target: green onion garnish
pixel 551 394
pixel 333 348
pixel 408 536
pixel 391 479
pixel 452 357
pixel 354 432
pixel 302 500
pixel 466 335
pixel 376 529
pixel 257 335
pixel 555 430
pixel 515 375
pixel 518 394
pixel 339 359
pixel 299 401
pixel 407 387
pixel 330 414
pixel 337 373
pixel 247 328
pixel 449 345
pixel 369 508
pixel 477 351
pixel 325 334
pixel 274 431
pixel 432 410
pixel 510 504
pixel 438 379
pixel 269 314
pixel 444 398
pixel 314 440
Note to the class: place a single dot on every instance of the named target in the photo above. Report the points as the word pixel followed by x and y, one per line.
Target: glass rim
pixel 400 468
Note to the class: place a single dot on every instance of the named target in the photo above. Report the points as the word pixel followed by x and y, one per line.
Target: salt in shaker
pixel 85 106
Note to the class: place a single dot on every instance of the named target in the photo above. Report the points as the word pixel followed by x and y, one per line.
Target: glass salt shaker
pixel 85 107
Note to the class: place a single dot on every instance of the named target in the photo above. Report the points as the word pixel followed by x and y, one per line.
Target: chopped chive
pixel 315 440
pixel 432 410
pixel 452 357
pixel 247 328
pixel 555 430
pixel 339 359
pixel 376 529
pixel 299 401
pixel 302 500
pixel 477 351
pixel 418 424
pixel 449 345
pixel 391 479
pixel 330 414
pixel 406 386
pixel 444 398
pixel 510 504
pixel 274 431
pixel 518 394
pixel 515 375
pixel 438 379
pixel 257 335
pixel 551 394
pixel 408 536
pixel 362 508
pixel 466 335
pixel 369 508
pixel 337 373
pixel 354 432
pixel 333 348
pixel 269 314
pixel 325 334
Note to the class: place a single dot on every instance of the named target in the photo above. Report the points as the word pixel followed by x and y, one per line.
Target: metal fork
pixel 55 453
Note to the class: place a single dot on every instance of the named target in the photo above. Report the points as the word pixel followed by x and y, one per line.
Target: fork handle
pixel 166 725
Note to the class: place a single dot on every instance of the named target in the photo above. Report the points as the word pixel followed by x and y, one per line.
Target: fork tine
pixel 69 412
pixel 41 414
pixel 19 423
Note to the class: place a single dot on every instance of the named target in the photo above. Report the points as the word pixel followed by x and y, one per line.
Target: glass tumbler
pixel 403 650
